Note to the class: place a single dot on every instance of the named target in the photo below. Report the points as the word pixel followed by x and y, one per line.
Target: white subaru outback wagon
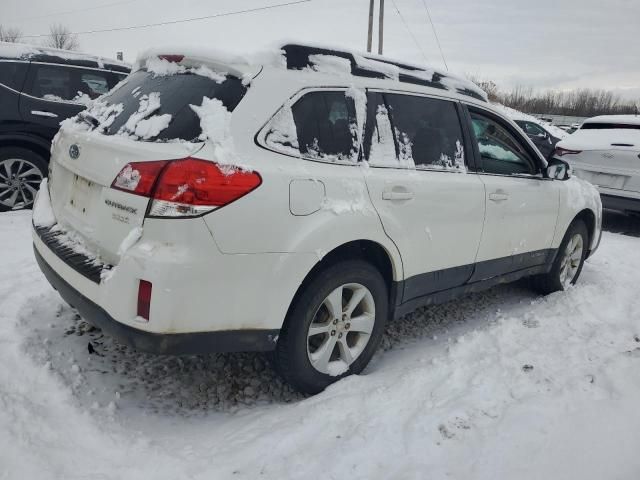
pixel 295 204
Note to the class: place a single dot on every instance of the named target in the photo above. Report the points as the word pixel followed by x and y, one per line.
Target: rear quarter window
pixel 320 125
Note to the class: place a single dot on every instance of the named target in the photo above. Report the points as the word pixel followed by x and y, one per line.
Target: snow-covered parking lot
pixel 503 384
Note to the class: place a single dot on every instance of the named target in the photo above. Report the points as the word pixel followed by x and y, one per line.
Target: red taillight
pixel 144 299
pixel 171 58
pixel 186 187
pixel 138 177
pixel 560 152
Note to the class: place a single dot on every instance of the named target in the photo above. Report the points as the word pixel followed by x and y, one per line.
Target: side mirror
pixel 558 170
pixel 543 136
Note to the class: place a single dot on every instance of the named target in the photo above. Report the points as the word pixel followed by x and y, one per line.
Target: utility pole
pixel 381 27
pixel 370 35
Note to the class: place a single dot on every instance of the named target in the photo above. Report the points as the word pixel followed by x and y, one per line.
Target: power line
pixel 435 34
pixel 173 22
pixel 406 26
pixel 77 10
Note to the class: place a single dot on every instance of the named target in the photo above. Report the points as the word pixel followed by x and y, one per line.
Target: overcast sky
pixel 561 44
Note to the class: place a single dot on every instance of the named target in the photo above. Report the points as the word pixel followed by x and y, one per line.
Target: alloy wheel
pixel 341 328
pixel 571 260
pixel 19 181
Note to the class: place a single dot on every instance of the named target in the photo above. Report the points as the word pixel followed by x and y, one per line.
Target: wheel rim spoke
pixel 7 169
pixel 29 173
pixel 345 351
pixel 363 323
pixel 354 301
pixel 334 303
pixel 317 329
pixel 322 356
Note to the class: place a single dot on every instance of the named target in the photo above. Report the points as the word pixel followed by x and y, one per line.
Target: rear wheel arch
pixel 371 252
pixel 37 146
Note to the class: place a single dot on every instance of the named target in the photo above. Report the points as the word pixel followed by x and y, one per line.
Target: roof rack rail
pixel 298 57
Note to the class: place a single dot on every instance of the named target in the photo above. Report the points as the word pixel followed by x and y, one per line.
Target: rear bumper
pixel 176 343
pixel 614 202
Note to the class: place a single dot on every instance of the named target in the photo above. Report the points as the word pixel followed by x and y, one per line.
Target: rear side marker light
pixel 561 152
pixel 186 188
pixel 144 299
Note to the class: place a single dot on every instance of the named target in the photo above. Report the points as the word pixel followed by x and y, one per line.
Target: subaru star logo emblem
pixel 74 151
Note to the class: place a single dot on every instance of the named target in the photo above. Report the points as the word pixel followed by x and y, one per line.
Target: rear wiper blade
pixel 89 119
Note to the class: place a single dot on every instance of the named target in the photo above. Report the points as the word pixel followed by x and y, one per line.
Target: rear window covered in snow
pixel 167 100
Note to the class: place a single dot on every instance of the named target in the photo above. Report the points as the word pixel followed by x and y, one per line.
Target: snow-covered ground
pixel 502 384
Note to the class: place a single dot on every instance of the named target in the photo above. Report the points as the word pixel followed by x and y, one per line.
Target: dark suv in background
pixel 38 89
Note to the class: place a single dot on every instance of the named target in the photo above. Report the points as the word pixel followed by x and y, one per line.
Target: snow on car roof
pixel 21 51
pixel 305 56
pixel 625 119
pixel 322 59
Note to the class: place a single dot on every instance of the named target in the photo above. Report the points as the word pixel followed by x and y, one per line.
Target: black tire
pixel 26 199
pixel 291 359
pixel 551 282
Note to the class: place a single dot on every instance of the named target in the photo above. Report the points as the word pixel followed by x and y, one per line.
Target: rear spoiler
pixel 191 58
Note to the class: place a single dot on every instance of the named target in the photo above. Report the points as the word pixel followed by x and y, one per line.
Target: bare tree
pixel 61 37
pixel 12 35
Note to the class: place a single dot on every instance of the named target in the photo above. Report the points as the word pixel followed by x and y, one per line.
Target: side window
pixel 533 129
pixel 12 74
pixel 93 83
pixel 68 84
pixel 427 131
pixel 52 83
pixel 320 125
pixel 501 152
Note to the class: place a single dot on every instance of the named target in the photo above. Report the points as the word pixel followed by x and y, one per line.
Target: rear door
pixel 521 206
pixel 48 97
pixel 430 207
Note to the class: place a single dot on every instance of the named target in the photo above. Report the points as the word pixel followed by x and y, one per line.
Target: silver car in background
pixel 606 152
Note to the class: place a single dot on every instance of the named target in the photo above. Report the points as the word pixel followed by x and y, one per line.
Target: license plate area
pixel 83 194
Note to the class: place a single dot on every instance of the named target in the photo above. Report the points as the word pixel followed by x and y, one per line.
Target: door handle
pixel 392 194
pixel 39 113
pixel 498 196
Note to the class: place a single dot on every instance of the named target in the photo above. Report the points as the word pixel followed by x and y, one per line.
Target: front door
pixel 521 206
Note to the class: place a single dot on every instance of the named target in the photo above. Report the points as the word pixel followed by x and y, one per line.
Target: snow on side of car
pixel 580 193
pixel 215 123
pixel 43 215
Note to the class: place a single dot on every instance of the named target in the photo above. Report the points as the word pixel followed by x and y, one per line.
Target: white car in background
pixel 606 152
pixel 295 204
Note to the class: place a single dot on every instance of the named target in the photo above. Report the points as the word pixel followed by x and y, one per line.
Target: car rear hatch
pixel 146 120
pixel 608 158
